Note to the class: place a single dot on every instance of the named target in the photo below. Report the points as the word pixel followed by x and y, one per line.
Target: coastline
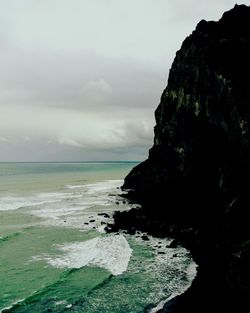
pixel 208 291
pixel 187 300
pixel 194 185
pixel 69 223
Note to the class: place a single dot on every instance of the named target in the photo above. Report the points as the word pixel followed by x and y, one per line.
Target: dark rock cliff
pixel 195 184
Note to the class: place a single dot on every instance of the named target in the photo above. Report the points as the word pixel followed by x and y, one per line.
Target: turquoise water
pixel 55 255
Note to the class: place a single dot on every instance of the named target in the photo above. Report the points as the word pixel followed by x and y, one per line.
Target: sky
pixel 80 79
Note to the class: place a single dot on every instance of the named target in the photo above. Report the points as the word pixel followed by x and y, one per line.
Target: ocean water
pixel 55 255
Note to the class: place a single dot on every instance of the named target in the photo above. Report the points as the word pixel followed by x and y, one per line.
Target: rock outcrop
pixel 195 184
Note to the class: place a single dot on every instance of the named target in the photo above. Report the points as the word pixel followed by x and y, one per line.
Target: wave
pixel 101 186
pixel 176 264
pixel 8 203
pixel 11 306
pixel 111 252
pixel 16 202
pixel 161 276
pixel 167 275
pixel 71 207
pixel 47 296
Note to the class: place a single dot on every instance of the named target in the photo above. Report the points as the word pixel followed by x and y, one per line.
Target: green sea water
pixel 55 255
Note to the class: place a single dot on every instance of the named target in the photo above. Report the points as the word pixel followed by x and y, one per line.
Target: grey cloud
pixel 81 79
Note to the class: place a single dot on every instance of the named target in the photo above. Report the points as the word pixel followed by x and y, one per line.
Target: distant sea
pixel 55 255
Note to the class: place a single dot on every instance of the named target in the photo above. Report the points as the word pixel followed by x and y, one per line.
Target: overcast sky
pixel 80 79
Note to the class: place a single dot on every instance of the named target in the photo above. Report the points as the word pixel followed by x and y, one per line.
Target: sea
pixel 55 255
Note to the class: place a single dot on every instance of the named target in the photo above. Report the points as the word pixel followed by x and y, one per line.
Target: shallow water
pixel 55 255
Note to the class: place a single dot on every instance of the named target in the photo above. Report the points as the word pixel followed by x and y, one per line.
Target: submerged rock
pixel 104 215
pixel 174 244
pixel 144 237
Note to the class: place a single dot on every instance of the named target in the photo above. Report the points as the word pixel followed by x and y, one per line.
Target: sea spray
pixel 111 252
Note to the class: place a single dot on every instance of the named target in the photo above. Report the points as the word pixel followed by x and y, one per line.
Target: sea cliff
pixel 195 184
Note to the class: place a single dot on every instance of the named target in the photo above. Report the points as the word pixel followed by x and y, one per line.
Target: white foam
pixel 103 186
pixel 85 202
pixel 74 186
pixel 12 305
pixel 14 203
pixel 192 270
pixel 60 302
pixel 17 202
pixel 54 207
pixel 111 252
pixel 177 259
pixel 72 207
pixel 161 304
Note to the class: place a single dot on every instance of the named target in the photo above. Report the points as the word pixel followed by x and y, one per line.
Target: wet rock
pixel 131 231
pixel 104 215
pixel 174 244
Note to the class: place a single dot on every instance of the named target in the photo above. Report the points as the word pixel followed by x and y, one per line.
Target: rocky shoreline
pixel 195 184
pixel 204 295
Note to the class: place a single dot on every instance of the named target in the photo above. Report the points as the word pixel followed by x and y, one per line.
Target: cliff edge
pixel 195 184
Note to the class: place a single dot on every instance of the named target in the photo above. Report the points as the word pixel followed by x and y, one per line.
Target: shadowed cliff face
pixel 195 184
pixel 201 144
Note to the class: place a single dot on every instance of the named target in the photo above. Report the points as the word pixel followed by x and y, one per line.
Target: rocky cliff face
pixel 195 184
pixel 202 123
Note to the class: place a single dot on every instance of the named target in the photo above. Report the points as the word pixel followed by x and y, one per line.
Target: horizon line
pixel 118 161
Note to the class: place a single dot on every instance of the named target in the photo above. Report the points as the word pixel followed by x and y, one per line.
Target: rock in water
pixel 197 176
